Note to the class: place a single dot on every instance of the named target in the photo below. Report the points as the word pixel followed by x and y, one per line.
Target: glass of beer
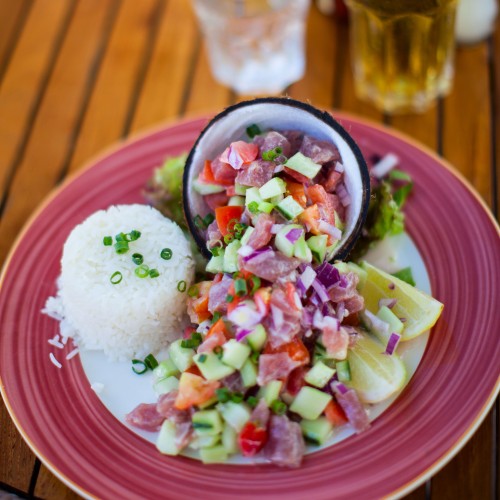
pixel 402 51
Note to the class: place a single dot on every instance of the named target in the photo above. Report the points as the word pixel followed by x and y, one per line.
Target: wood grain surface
pixel 78 75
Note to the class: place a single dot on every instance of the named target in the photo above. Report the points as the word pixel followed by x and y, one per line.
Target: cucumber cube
pixel 283 244
pixel 231 257
pixel 318 244
pixel 230 440
pixel 207 423
pixel 319 375
pixel 310 403
pixel 182 357
pixel 271 391
pixel 239 189
pixel 276 199
pixel 265 207
pixel 216 264
pixel 274 187
pixel 214 455
pixel 166 439
pixel 246 235
pixel 303 165
pixel 166 385
pixel 204 442
pixel 338 221
pixel 316 431
pixel 248 373
pixel 257 338
pixel 236 201
pixel 343 370
pixel 235 353
pixel 289 208
pixel 206 188
pixel 395 324
pixel 212 368
pixel 235 414
pixel 302 251
pixel 252 195
pixel 165 368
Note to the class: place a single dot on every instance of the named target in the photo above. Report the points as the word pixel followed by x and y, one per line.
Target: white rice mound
pixel 137 316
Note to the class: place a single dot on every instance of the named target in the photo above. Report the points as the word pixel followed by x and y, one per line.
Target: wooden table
pixel 78 75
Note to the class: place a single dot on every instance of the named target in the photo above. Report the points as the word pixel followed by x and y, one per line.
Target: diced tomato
pixel 194 370
pixel 262 298
pixel 207 175
pixel 240 152
pixel 194 390
pixel 290 295
pixel 310 217
pixel 197 307
pixel 224 215
pixel 252 439
pixel 295 349
pixel 298 177
pixel 335 414
pixel 219 327
pixel 295 381
pixel 317 194
pixel 297 192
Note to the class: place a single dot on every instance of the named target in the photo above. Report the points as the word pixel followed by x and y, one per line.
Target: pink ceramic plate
pixel 456 383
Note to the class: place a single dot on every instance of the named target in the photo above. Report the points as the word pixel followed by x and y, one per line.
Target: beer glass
pixel 402 51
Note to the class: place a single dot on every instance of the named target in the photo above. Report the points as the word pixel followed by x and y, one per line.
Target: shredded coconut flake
pixel 73 353
pixel 54 360
pixel 55 343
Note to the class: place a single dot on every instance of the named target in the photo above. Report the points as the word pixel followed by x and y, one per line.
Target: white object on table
pixel 475 20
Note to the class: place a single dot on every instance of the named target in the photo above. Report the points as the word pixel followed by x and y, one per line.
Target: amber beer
pixel 402 51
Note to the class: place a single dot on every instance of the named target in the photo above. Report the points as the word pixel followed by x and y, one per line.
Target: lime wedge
pixel 374 375
pixel 420 310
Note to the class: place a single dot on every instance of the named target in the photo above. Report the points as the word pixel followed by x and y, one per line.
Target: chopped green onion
pixel 202 358
pixel 253 206
pixel 199 222
pixel 134 235
pixel 150 362
pixel 121 246
pixel 142 271
pixel 181 286
pixel 166 254
pixel 216 317
pixel 116 277
pixel 137 258
pixel 208 219
pixel 252 401
pixel 237 397
pixel 201 425
pixel 240 287
pixel 193 291
pixel 399 175
pixel 143 368
pixel 216 251
pixel 187 343
pixel 223 394
pixel 231 225
pixel 121 237
pixel 278 407
pixel 229 298
pixel 253 130
pixel 153 273
pixel 228 238
pixel 254 357
pixel 197 338
pixel 271 154
pixel 255 284
pixel 107 241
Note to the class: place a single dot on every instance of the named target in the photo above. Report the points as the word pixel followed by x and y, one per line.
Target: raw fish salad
pixel 282 349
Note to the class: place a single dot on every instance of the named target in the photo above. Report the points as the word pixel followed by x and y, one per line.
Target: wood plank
pixel 318 85
pixel 23 84
pixel 422 127
pixel 466 120
pixel 59 114
pixel 109 107
pixel 12 17
pixel 49 486
pixel 206 95
pixel 16 459
pixel 495 84
pixel 165 86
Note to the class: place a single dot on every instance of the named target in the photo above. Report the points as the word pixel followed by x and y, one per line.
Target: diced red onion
pixel 340 310
pixel 343 195
pixel 327 274
pixel 320 290
pixel 317 319
pixel 391 286
pixel 339 167
pixel 245 315
pixel 306 280
pixel 278 168
pixel 384 166
pixel 308 333
pixel 204 326
pixel 390 303
pixel 297 301
pixel 330 229
pixel 242 333
pixel 257 252
pixel 246 250
pixel 328 309
pixel 314 299
pixel 278 316
pixel 294 234
pixel 392 343
pixel 339 387
pixel 275 228
pixel 375 323
pixel 403 320
pixel 330 322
